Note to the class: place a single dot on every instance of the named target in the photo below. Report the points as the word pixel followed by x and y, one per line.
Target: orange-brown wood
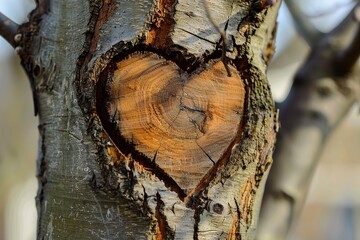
pixel 182 122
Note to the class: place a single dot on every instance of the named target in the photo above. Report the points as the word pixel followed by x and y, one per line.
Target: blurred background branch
pixel 302 23
pixel 321 95
pixel 347 33
pixel 18 135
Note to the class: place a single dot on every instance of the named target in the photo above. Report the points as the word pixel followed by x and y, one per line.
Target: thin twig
pixel 306 29
pixel 223 37
pixel 8 29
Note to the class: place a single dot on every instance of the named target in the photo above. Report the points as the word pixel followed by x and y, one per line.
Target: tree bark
pixel 102 175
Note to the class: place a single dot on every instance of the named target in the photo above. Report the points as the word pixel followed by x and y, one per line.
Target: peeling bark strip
pixel 183 123
pixel 163 230
pixel 100 11
pixel 234 232
pixel 161 23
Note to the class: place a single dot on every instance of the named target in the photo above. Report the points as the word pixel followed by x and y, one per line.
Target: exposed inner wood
pixel 182 122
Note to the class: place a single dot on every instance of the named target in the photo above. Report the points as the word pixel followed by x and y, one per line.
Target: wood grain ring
pixel 181 122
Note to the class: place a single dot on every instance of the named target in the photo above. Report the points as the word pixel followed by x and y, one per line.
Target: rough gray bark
pixel 88 188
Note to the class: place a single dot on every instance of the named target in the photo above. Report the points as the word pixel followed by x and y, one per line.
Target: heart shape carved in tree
pixel 183 123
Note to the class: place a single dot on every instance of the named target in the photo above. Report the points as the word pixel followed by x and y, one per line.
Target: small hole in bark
pixel 218 208
pixel 36 70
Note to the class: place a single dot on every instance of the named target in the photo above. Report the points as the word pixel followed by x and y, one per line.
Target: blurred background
pixel 332 210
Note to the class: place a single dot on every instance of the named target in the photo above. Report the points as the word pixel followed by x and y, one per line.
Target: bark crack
pixel 69 133
pixel 213 162
pixel 197 214
pixel 163 230
pixel 42 180
pixel 202 38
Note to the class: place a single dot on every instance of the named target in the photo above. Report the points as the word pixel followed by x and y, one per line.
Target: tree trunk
pixel 144 132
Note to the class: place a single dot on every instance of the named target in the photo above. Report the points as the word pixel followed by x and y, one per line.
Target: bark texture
pixel 93 184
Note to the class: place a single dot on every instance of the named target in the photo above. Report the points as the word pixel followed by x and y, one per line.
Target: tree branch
pixel 350 50
pixel 330 10
pixel 319 99
pixel 8 29
pixel 303 25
